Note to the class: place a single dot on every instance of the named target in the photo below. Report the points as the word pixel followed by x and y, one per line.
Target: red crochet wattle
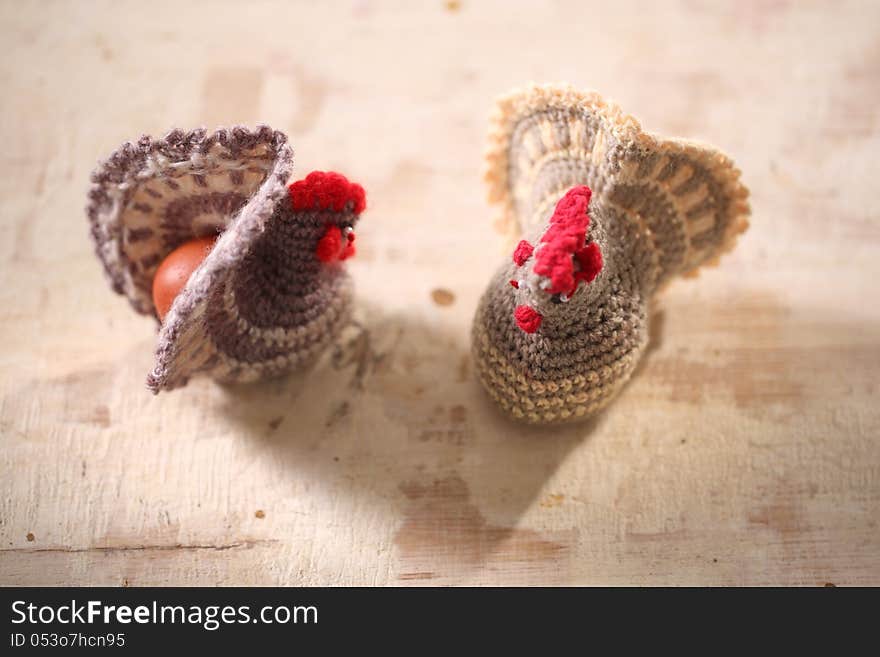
pixel 326 190
pixel 563 245
pixel 527 318
pixel 329 245
pixel 349 249
pixel 330 248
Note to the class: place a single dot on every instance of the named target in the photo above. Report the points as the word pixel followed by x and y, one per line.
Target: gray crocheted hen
pixel 271 294
pixel 607 214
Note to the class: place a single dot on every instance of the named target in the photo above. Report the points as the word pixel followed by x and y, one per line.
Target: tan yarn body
pixel 660 208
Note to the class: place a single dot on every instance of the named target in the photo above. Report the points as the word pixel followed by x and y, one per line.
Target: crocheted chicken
pixel 608 214
pixel 272 293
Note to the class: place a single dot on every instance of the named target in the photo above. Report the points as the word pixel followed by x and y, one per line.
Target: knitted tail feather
pixel 546 140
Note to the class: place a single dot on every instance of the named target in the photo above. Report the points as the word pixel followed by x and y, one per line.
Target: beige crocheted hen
pixel 608 214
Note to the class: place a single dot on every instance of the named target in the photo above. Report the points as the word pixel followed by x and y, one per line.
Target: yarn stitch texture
pixel 272 294
pixel 607 214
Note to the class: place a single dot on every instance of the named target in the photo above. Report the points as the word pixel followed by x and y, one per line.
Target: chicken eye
pixel 556 298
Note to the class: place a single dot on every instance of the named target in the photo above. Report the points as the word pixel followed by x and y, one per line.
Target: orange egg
pixel 175 271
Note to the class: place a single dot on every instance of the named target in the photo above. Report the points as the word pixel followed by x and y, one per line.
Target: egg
pixel 175 270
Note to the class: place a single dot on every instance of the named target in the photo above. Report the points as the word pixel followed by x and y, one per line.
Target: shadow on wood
pixel 394 419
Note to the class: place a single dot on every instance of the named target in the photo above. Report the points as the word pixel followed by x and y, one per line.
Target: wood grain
pixel 744 451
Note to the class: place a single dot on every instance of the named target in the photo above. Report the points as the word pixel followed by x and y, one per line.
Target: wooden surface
pixel 745 450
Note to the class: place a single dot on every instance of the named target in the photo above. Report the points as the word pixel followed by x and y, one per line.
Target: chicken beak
pixel 348 249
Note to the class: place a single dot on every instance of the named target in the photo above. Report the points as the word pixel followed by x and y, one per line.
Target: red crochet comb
pixel 563 245
pixel 327 190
